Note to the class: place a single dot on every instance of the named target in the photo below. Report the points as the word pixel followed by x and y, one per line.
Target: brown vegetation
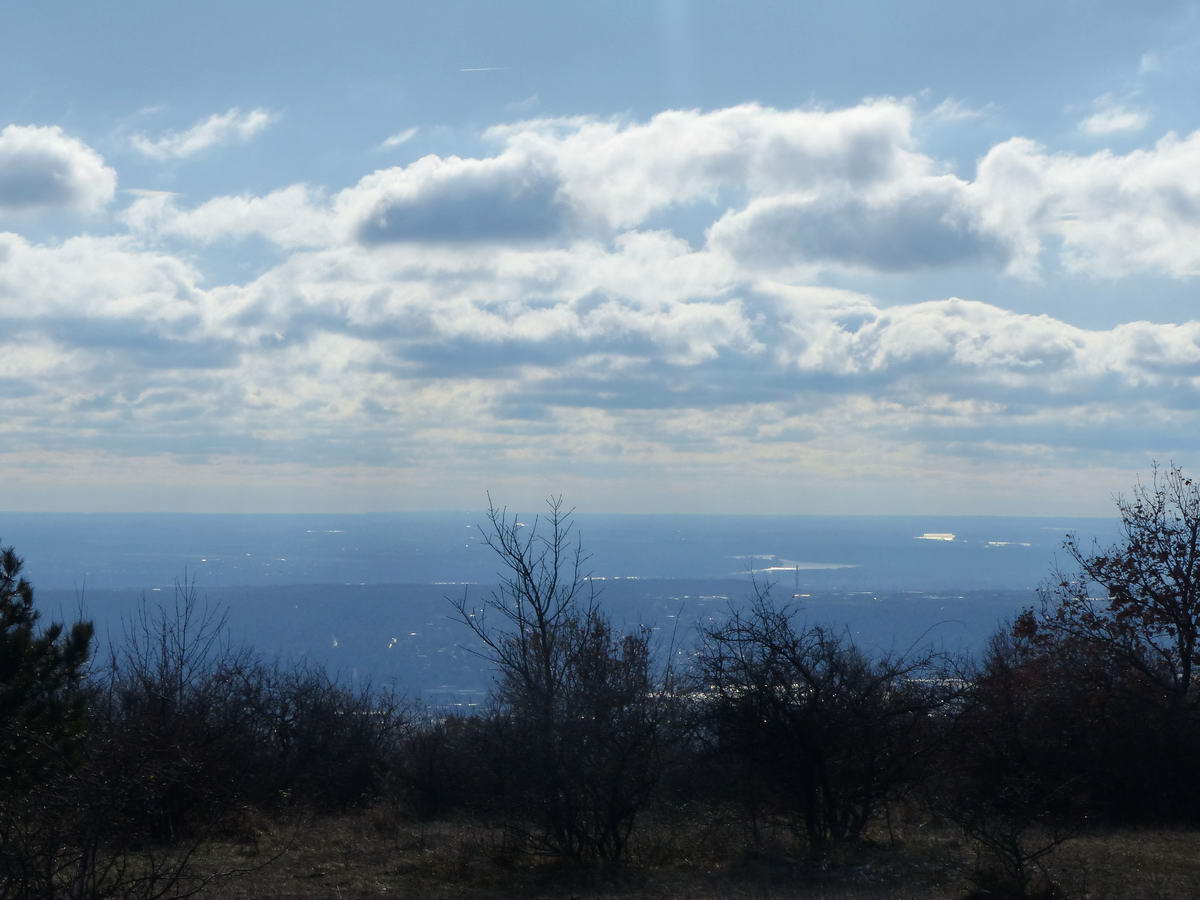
pixel 373 854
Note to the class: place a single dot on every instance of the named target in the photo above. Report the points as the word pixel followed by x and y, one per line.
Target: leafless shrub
pixel 818 734
pixel 581 714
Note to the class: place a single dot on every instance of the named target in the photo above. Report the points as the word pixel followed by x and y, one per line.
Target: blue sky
pixel 675 256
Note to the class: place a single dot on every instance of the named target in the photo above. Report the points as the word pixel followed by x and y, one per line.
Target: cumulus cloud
pixel 1114 214
pixel 219 128
pixel 628 171
pixel 295 216
pixel 934 222
pixel 656 325
pixel 42 167
pixel 780 189
pixel 644 348
pixel 91 278
pixel 508 198
pixel 556 178
pixel 796 188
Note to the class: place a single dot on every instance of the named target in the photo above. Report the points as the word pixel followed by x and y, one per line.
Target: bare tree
pixel 543 592
pixel 581 713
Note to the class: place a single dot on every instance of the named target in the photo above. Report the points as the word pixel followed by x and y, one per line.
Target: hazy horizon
pixel 154 550
pixel 481 513
pixel 370 592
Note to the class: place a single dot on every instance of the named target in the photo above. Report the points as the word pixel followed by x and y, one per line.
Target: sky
pixel 653 255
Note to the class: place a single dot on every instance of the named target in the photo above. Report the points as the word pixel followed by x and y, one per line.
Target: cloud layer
pixel 536 310
pixel 843 189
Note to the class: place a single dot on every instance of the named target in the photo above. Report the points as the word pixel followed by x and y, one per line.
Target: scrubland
pixel 773 758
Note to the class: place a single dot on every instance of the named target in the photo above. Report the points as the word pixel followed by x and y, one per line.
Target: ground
pixel 377 854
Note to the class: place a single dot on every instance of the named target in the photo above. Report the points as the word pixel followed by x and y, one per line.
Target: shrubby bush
pixel 316 743
pixel 115 772
pixel 818 735
pixel 1085 710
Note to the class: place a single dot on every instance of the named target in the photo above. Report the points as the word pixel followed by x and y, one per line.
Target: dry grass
pixel 376 854
pixel 1139 865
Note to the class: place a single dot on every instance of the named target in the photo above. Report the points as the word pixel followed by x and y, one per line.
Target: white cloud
pixel 627 172
pixel 95 277
pixel 508 198
pixel 951 109
pixel 400 137
pixel 931 221
pixel 295 216
pixel 653 324
pixel 220 128
pixel 41 167
pixel 525 106
pixel 1115 215
pixel 556 178
pixel 642 352
pixel 1113 117
pixel 797 191
pixel 480 302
